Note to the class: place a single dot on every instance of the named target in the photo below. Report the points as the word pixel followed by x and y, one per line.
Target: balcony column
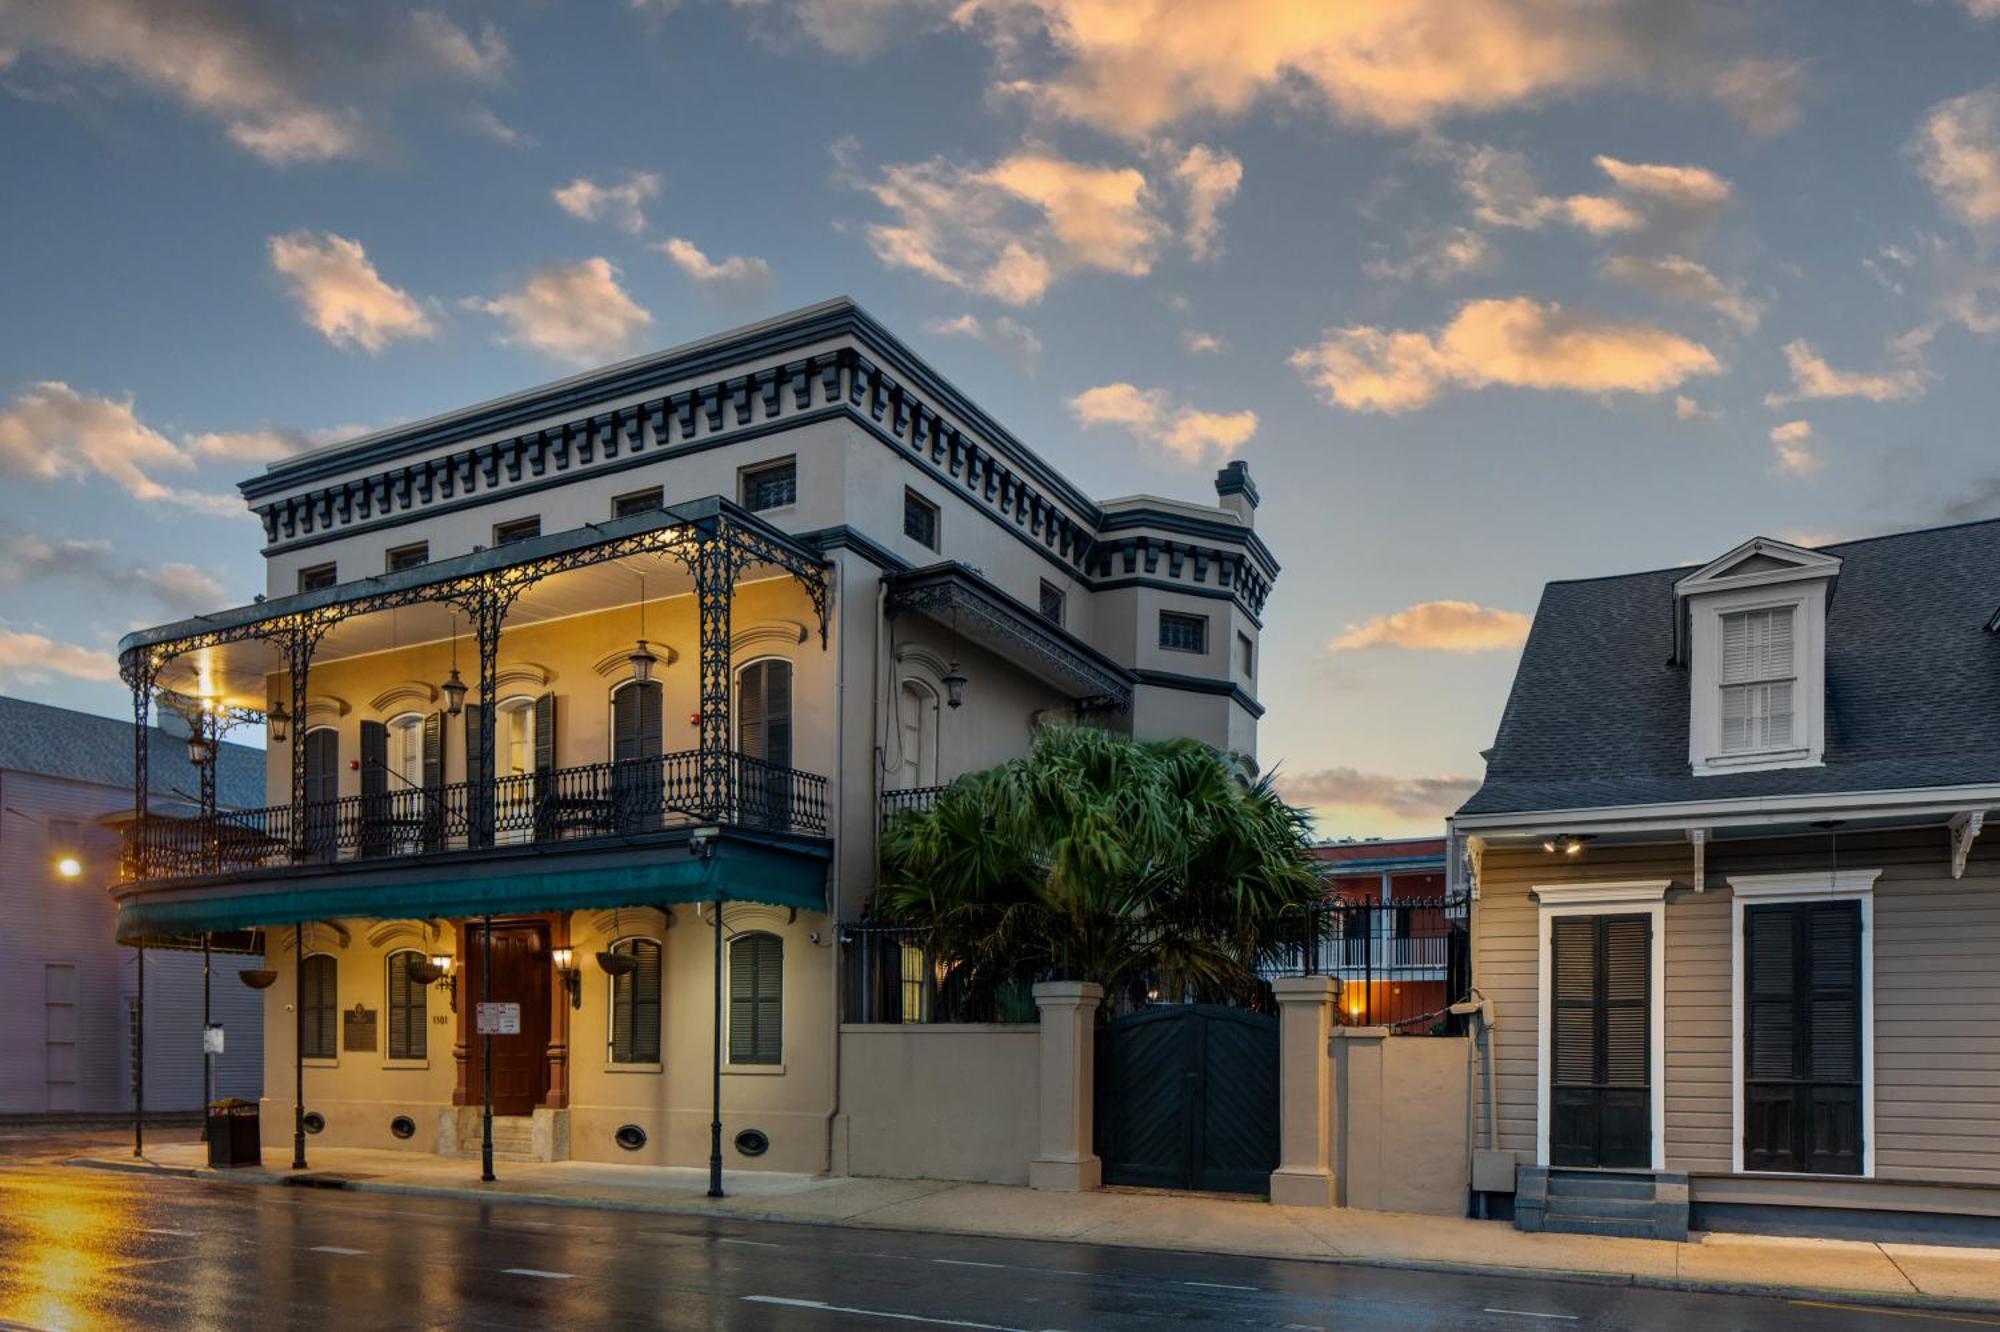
pixel 298 639
pixel 714 566
pixel 487 614
pixel 140 673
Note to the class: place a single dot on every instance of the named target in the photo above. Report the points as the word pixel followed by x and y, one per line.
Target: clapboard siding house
pixel 1735 918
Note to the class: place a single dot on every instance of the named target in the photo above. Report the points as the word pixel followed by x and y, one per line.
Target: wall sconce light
pixel 572 979
pixel 276 720
pixel 1565 844
pixel 69 867
pixel 438 968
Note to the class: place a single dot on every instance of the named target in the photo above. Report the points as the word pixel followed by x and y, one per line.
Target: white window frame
pixel 729 1064
pixel 1807 602
pixel 1855 885
pixel 390 1061
pixel 1632 897
pixel 611 1065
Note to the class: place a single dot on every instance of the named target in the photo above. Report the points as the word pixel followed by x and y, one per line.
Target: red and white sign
pixel 497 1019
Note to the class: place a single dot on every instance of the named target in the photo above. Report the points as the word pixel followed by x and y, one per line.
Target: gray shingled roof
pixel 1598 715
pixel 80 747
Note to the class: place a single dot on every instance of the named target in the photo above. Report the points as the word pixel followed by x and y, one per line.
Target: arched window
pixel 635 1005
pixel 319 1006
pixel 514 769
pixel 764 733
pixel 756 999
pixel 637 787
pixel 916 736
pixel 408 1008
pixel 322 813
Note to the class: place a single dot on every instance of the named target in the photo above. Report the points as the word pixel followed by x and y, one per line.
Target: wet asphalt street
pixel 89 1248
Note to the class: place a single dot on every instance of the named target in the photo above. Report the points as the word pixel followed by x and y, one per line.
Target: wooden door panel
pixel 521 975
pixel 1600 1047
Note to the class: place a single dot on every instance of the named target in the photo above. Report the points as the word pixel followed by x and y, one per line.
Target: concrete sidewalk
pixel 1900 1275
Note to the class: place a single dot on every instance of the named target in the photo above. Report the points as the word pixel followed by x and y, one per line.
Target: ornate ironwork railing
pixel 912 799
pixel 561 804
pixel 1400 964
pixel 889 975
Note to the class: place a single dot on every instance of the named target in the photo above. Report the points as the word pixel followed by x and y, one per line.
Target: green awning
pixel 737 870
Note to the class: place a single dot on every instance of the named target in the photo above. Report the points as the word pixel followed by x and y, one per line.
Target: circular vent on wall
pixel 402 1126
pixel 753 1142
pixel 631 1137
pixel 314 1121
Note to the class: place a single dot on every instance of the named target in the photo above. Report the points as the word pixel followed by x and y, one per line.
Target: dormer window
pixel 1759 668
pixel 1752 634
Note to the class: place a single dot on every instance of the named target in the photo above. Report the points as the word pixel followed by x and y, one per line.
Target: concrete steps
pixel 1627 1204
pixel 513 1140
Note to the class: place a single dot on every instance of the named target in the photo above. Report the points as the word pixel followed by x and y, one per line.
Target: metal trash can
pixel 234 1134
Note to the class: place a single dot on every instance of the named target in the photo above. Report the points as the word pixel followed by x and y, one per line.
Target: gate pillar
pixel 1064 1159
pixel 1305 1174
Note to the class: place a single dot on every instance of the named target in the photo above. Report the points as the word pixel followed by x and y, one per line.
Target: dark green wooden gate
pixel 1187 1098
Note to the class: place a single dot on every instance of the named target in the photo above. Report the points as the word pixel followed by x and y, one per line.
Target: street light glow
pixel 69 867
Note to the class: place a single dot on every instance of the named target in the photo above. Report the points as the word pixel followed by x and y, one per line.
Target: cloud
pixel 266 444
pixel 1009 335
pixel 1763 94
pixel 1438 626
pixel 341 293
pixel 620 204
pixel 1199 343
pixel 572 312
pixel 1957 151
pixel 30 658
pixel 1982 9
pixel 1678 186
pixel 1793 442
pixel 1682 281
pixel 1153 417
pixel 181 588
pixel 484 60
pixel 1517 343
pixel 1133 67
pixel 1645 196
pixel 1209 179
pixel 736 273
pixel 1688 409
pixel 1958 285
pixel 1813 378
pixel 52 432
pixel 1437 259
pixel 482 121
pixel 1402 797
pixel 1008 230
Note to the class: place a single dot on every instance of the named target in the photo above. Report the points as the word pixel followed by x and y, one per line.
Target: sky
pixel 1487 292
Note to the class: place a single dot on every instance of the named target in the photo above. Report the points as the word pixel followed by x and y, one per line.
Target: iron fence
pixel 1400 964
pixel 889 974
pixel 560 804
pixel 915 799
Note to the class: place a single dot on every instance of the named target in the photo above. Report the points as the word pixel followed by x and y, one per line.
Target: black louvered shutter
pixel 478 782
pixel 322 790
pixel 321 1006
pixel 756 999
pixel 374 788
pixel 1802 1029
pixel 750 731
pixel 636 729
pixel 407 1037
pixel 635 1006
pixel 1600 1096
pixel 434 782
pixel 545 767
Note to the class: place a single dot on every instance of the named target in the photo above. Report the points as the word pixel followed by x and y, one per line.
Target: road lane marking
pixel 335 1248
pixel 157 1230
pixel 538 1272
pixel 1897 1313
pixel 822 1306
pixel 1216 1285
pixel 755 1244
pixel 967 1262
pixel 1530 1313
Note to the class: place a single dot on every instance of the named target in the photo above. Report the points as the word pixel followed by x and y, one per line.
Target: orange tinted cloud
pixel 1438 626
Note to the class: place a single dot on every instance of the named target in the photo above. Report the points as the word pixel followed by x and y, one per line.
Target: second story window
pixel 1052 602
pixel 1759 667
pixel 407 557
pixel 518 529
pixel 920 519
pixel 639 501
pixel 772 486
pixel 1183 633
pixel 1246 656
pixel 316 576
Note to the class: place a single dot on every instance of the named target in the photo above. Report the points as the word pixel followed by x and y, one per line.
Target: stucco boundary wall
pixel 1367 1119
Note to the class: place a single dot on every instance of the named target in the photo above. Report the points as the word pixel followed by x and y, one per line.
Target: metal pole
pixel 486 1049
pixel 299 1039
pixel 207 1059
pixel 715 1118
pixel 139 1061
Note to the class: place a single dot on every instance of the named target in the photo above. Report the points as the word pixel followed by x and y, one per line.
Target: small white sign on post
pixel 497 1019
pixel 211 1039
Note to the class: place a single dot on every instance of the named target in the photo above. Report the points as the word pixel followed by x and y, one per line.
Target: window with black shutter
pixel 920 519
pixel 756 999
pixel 1802 1037
pixel 319 1006
pixel 1600 1046
pixel 636 729
pixel 764 712
pixel 635 1005
pixel 407 1015
pixel 374 788
pixel 322 791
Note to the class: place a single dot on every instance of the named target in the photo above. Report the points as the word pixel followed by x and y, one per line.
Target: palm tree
pixel 1139 864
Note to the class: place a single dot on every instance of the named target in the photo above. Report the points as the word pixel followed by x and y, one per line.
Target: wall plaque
pixel 357 1029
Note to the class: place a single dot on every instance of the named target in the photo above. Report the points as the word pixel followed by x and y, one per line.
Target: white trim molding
pixel 1965 830
pixel 1647 897
pixel 1854 885
pixel 1807 602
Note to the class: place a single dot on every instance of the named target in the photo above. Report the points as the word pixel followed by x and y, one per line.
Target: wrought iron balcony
pixel 600 800
pixel 914 799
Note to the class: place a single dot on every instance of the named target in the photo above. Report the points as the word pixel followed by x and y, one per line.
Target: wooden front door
pixel 1802 1037
pixel 1600 1042
pixel 521 975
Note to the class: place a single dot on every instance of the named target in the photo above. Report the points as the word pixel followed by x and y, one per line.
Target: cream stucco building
pixel 597 660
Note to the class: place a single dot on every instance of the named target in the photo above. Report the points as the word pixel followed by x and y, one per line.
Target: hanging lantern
pixel 276 720
pixel 200 750
pixel 954 685
pixel 643 661
pixel 454 693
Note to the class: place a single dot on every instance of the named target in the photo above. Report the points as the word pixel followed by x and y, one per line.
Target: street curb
pixel 1847 1297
